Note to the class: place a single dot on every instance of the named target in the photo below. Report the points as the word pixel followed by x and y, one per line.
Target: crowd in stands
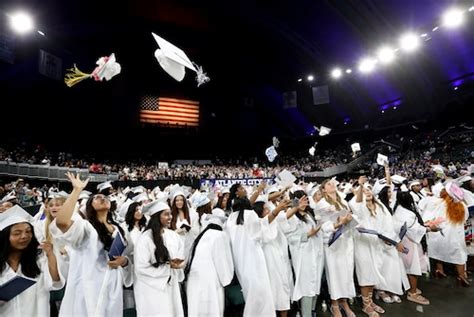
pixel 409 156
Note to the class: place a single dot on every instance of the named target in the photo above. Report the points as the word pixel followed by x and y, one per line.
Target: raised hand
pixel 76 181
pixel 47 248
pixel 362 180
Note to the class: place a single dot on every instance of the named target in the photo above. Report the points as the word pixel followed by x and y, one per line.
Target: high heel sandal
pixel 368 308
pixel 462 281
pixel 384 296
pixel 440 274
pixel 376 307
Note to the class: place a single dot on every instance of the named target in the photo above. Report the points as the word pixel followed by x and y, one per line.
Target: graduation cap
pixel 107 67
pixel 122 211
pixel 397 179
pixel 103 186
pixel 382 159
pixel 217 217
pixel 355 147
pixel 155 207
pixel 454 191
pixel 14 215
pixel 271 153
pixel 276 142
pixel 61 194
pixel 323 130
pixel 200 200
pixel 138 189
pixel 173 60
pixel 141 198
pixel 85 194
pixel 10 196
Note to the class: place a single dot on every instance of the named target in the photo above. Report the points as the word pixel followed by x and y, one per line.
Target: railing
pixel 53 173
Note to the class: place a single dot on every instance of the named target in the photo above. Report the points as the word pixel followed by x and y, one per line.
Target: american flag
pixel 169 111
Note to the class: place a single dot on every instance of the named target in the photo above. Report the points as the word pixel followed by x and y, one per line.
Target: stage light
pixel 367 65
pixel 310 77
pixel 40 33
pixel 300 80
pixel 453 18
pixel 424 35
pixel 409 42
pixel 456 88
pixel 386 55
pixel 21 22
pixel 336 73
pixel 383 111
pixel 394 107
pixel 435 28
pixel 471 9
pixel 348 71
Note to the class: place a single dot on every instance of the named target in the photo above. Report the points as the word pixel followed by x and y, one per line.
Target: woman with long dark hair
pixel 416 261
pixel 209 269
pixel 183 219
pixel 159 262
pixel 245 233
pixel 95 282
pixel 307 253
pixel 19 257
pixel 135 222
pixel 372 255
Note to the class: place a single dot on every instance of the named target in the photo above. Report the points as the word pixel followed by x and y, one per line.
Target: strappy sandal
pixel 368 308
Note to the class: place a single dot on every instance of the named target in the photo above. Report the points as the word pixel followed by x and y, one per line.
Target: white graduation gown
pixel 34 301
pixel 416 262
pixel 250 265
pixel 307 256
pixel 188 237
pixel 212 269
pixel 368 248
pixel 156 289
pixel 450 248
pixel 92 289
pixel 275 249
pixel 339 257
pixel 385 261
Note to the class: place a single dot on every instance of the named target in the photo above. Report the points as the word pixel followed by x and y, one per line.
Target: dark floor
pixel 446 297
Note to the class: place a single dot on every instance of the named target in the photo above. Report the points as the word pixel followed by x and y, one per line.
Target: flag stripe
pixel 178 105
pixel 191 102
pixel 165 108
pixel 177 113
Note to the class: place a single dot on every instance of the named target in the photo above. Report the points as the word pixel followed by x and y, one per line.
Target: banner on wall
pixel 228 182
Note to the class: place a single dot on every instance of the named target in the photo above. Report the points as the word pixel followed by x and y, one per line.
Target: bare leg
pixel 413 279
pixel 335 308
pixel 347 309
pixel 282 313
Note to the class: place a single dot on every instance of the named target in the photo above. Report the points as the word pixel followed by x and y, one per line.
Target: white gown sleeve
pixel 143 259
pixel 77 236
pixel 222 258
pixel 48 282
